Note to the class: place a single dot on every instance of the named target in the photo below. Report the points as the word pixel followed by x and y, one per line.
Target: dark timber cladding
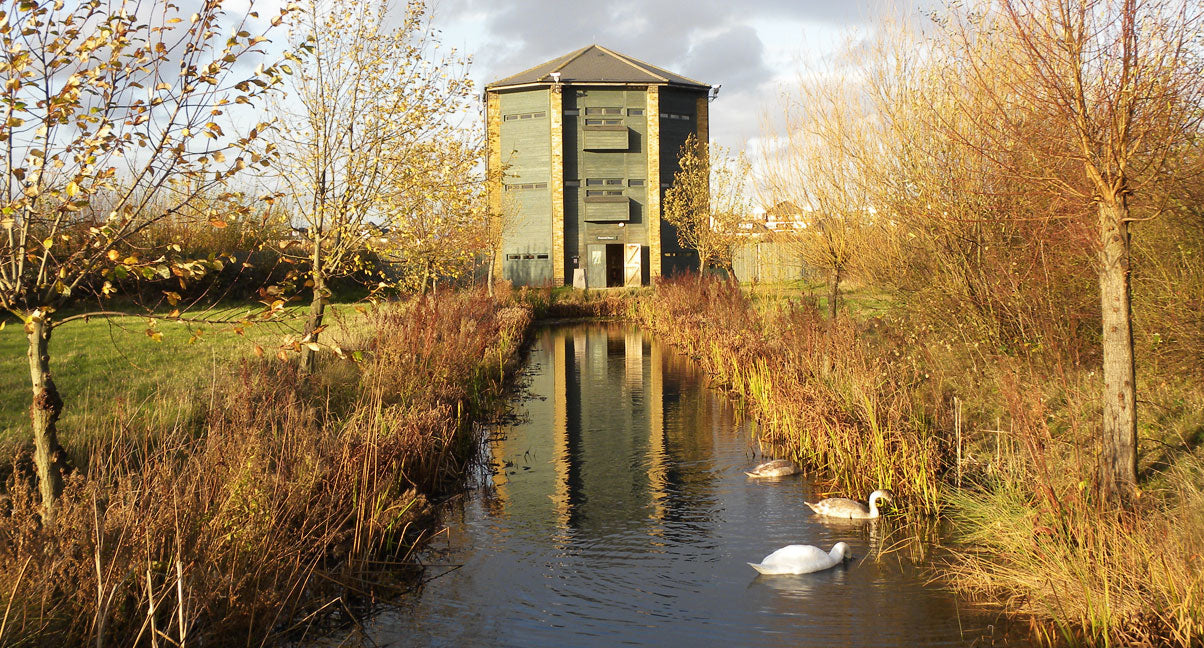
pixel 581 149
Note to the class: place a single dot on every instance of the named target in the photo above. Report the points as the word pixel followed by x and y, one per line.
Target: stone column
pixel 703 132
pixel 704 120
pixel 493 168
pixel 556 183
pixel 652 208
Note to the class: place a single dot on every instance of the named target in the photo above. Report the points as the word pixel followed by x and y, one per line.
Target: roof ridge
pixel 601 65
pixel 631 60
pixel 573 56
pixel 569 57
pixel 633 63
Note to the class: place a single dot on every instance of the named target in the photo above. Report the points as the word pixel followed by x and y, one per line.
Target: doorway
pixel 614 265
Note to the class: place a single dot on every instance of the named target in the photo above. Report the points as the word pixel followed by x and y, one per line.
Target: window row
pixel 605 182
pixel 523 257
pixel 531 115
pixel 676 116
pixel 606 112
pixel 529 185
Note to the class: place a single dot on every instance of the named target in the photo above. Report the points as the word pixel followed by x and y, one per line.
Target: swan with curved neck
pixel 775 468
pixel 802 559
pixel 842 507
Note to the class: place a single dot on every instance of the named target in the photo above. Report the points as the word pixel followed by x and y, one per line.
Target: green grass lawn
pixel 109 369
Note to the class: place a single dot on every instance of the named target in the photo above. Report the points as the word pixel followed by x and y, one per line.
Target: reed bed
pixel 1002 445
pixel 820 397
pixel 269 516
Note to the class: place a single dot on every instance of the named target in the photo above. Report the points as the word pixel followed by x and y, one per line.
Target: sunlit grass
pixel 109 367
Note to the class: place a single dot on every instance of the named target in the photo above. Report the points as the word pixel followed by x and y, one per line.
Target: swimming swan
pixel 840 507
pixel 802 559
pixel 775 468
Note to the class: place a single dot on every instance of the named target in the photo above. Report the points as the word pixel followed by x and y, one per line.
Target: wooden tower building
pixel 580 151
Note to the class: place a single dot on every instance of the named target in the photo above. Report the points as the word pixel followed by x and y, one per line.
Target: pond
pixel 616 511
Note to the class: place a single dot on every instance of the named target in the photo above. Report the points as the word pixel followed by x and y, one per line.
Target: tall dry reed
pixel 246 530
pixel 819 395
pixel 1011 461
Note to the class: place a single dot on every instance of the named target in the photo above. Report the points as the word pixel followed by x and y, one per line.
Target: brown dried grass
pixel 244 531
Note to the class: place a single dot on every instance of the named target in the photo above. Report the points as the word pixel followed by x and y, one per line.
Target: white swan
pixel 802 559
pixel 775 468
pixel 841 507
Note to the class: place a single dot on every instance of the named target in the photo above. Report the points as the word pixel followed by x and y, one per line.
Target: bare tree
pixel 1116 89
pixel 814 169
pixel 370 106
pixel 108 109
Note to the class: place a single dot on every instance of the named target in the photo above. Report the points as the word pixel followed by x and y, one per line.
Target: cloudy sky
pixel 753 48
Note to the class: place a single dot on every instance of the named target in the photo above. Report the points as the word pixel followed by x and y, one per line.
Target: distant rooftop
pixel 596 64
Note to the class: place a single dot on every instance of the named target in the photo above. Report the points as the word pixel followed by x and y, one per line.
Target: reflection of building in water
pixel 608 431
pixel 537 457
pixel 619 414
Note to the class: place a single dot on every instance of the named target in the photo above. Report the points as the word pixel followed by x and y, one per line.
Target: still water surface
pixel 616 512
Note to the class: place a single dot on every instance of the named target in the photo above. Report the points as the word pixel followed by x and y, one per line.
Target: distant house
pixel 588 142
pixel 763 257
pixel 785 216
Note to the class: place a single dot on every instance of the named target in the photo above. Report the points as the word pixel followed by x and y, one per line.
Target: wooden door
pixel 631 264
pixel 595 267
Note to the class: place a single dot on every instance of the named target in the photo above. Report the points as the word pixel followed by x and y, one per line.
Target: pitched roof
pixel 596 64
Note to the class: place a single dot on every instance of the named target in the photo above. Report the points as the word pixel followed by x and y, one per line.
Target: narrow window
pixel 635 111
pixel 636 182
pixel 530 115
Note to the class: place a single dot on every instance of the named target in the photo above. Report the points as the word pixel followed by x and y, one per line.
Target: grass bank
pixel 158 379
pixel 272 511
pixel 1002 444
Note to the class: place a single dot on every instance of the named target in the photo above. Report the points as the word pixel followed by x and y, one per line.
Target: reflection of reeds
pixel 814 389
pixel 872 404
pixel 252 525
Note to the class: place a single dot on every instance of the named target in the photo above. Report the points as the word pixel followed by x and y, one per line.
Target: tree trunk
pixel 49 457
pixel 317 309
pixel 489 276
pixel 1118 465
pixel 834 293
